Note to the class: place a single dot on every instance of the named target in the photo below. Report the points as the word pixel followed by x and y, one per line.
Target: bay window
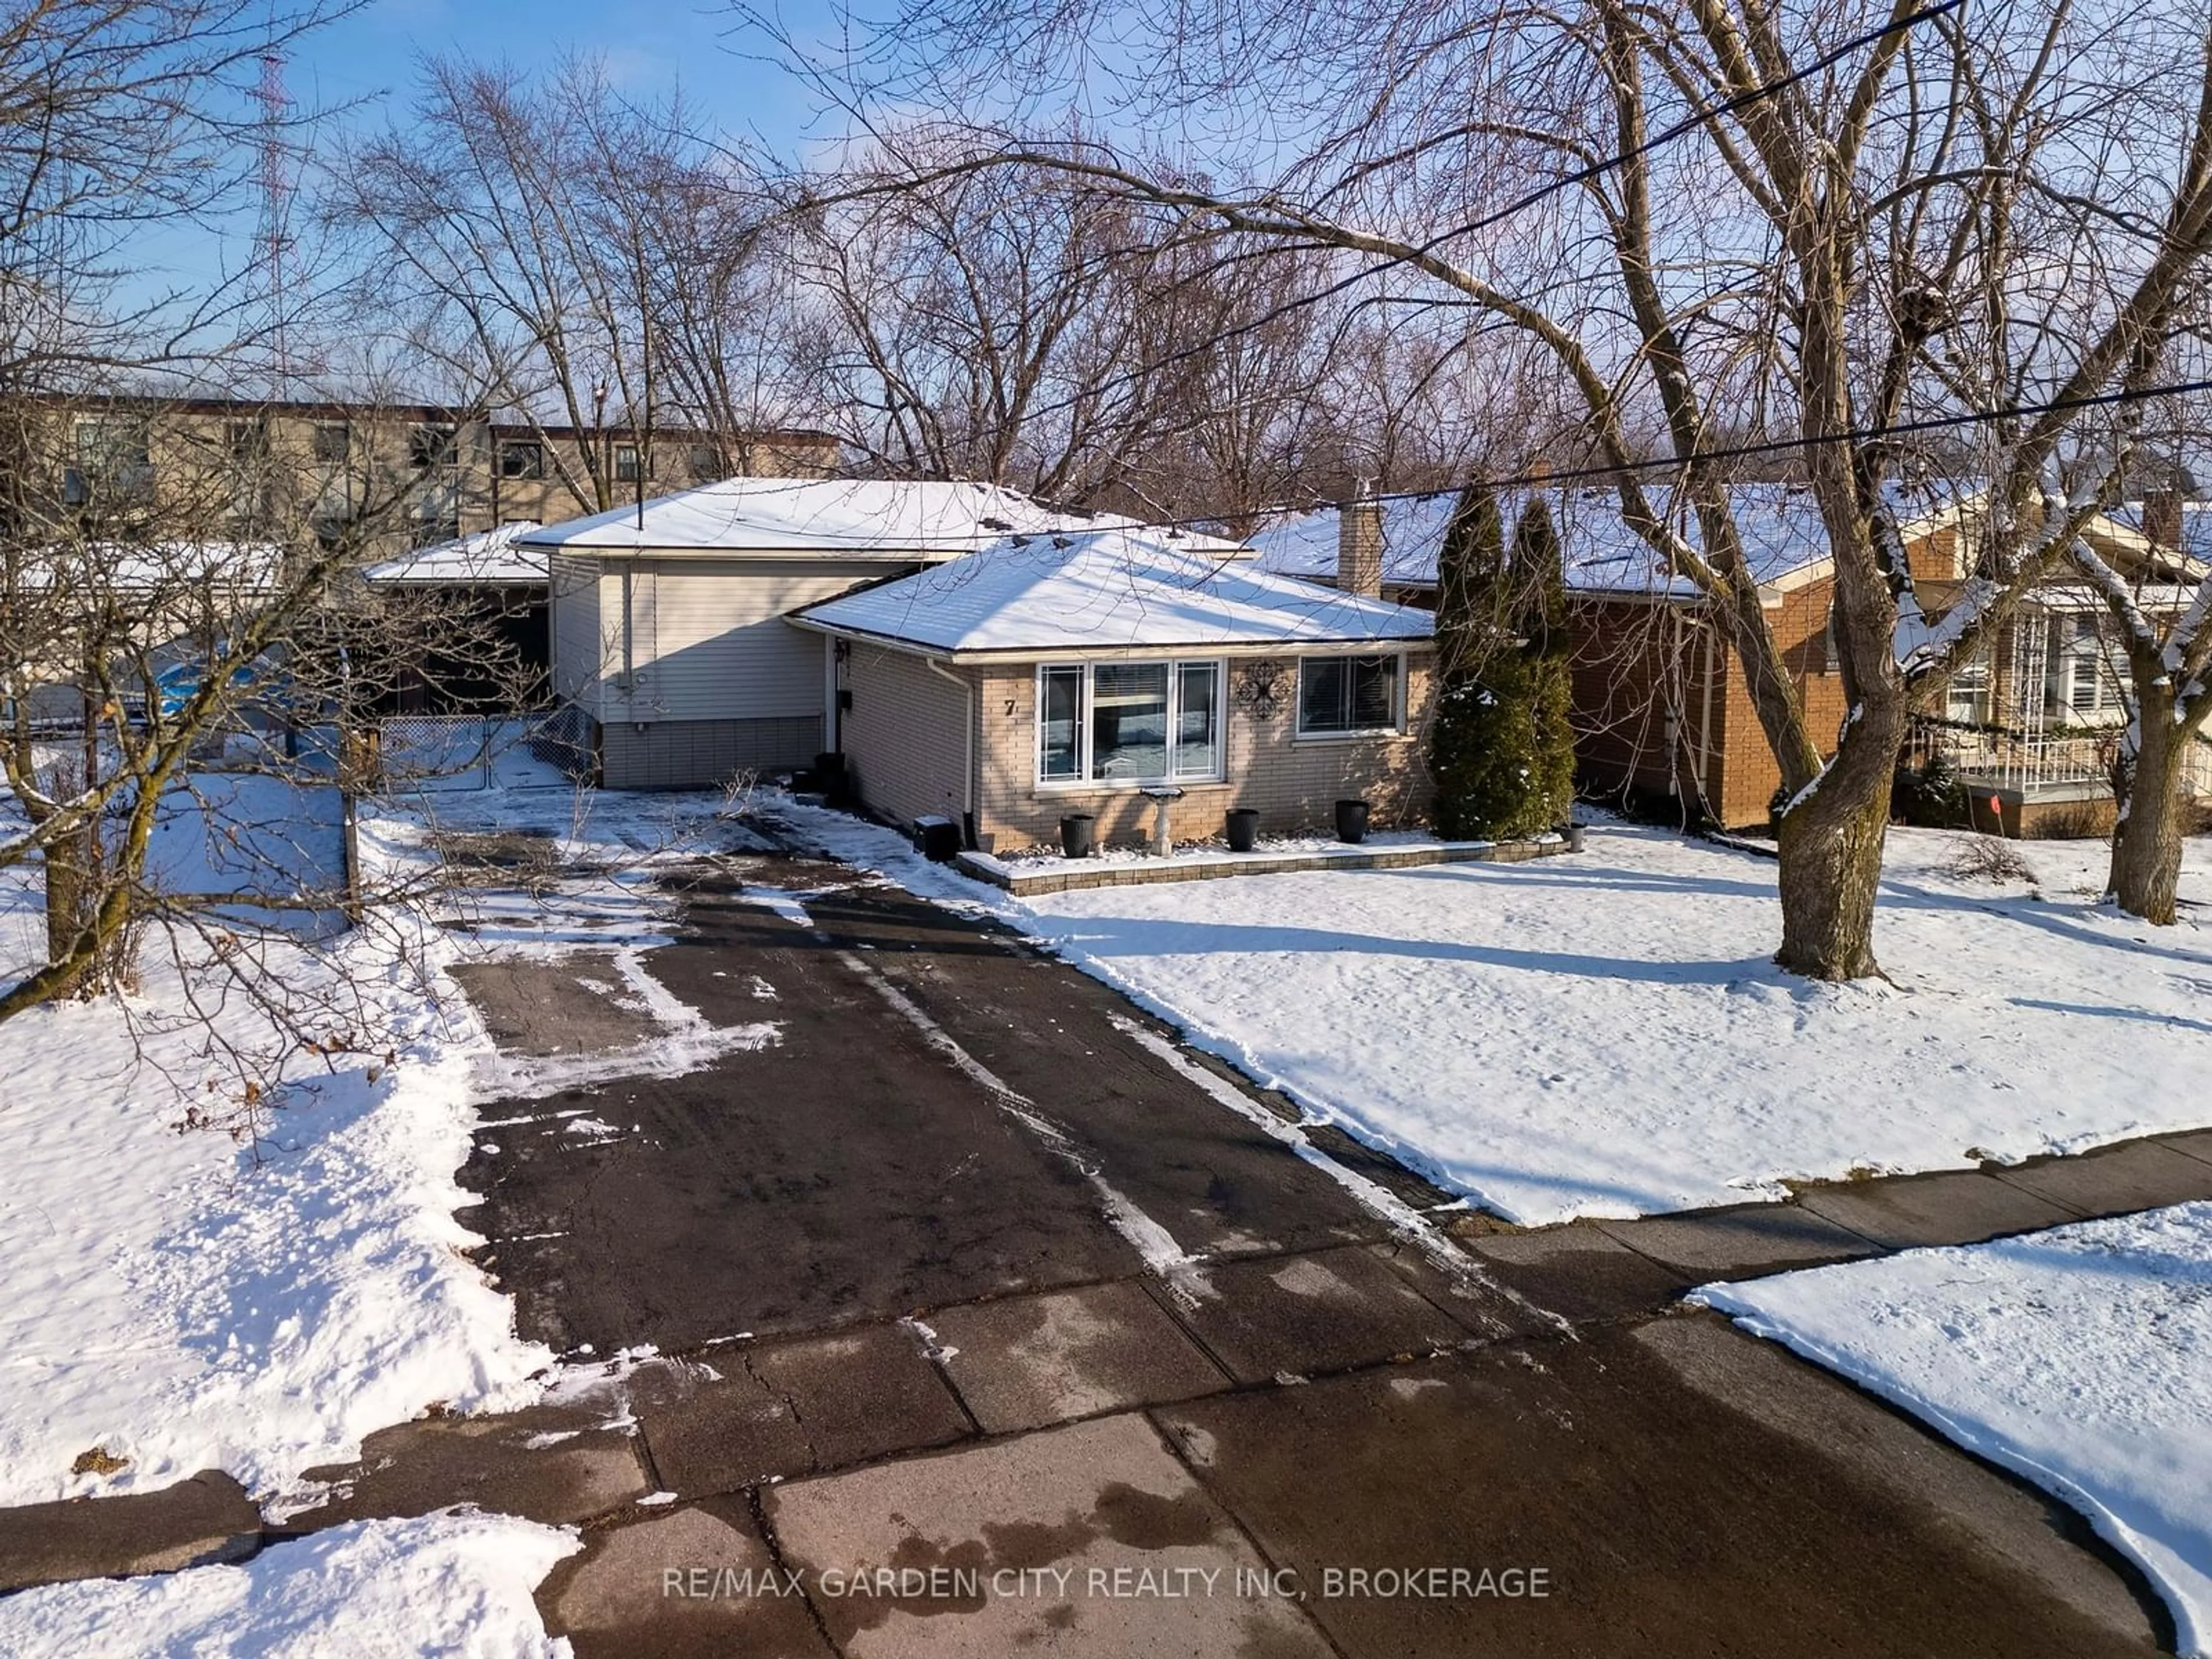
pixel 1129 722
pixel 1342 697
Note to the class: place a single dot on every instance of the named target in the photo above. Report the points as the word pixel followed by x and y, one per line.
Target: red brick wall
pixel 1640 670
pixel 1749 774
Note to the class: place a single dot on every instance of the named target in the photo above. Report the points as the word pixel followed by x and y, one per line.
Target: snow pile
pixel 177 1302
pixel 1604 1033
pixel 2081 1358
pixel 459 1582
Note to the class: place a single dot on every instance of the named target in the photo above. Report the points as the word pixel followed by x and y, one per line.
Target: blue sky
pixel 650 48
pixel 364 67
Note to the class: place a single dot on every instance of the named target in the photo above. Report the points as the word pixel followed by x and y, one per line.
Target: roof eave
pixel 1063 651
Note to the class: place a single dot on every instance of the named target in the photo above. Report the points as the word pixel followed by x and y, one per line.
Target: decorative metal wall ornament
pixel 1261 688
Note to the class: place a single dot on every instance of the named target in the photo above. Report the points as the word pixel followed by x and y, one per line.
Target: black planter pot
pixel 1243 827
pixel 1075 834
pixel 1352 820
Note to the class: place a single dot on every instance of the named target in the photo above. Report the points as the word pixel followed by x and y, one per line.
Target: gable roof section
pixel 855 518
pixel 2144 556
pixel 1784 539
pixel 1109 590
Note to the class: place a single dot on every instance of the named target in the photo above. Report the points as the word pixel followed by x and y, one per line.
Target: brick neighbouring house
pixel 1058 674
pixel 1662 706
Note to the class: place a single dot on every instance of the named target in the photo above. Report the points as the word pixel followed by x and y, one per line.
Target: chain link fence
pixel 440 753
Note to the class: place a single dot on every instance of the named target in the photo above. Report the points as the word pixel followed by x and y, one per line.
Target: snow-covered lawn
pixel 1604 1034
pixel 458 1583
pixel 173 1301
pixel 2081 1358
pixel 177 1301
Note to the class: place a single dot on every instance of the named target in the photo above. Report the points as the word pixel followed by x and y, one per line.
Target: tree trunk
pixel 1831 848
pixel 2146 842
pixel 70 898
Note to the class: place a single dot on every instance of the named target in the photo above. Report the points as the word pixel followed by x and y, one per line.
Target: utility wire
pixel 1540 479
pixel 1581 175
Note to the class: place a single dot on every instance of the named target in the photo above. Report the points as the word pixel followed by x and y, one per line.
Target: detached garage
pixel 670 648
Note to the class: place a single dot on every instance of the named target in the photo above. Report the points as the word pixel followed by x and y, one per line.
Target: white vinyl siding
pixel 577 640
pixel 706 637
pixel 711 642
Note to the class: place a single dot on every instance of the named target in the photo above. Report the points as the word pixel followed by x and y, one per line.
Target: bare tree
pixel 565 258
pixel 2160 615
pixel 1823 223
pixel 998 325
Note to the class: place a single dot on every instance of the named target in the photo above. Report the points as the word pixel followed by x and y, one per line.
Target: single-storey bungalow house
pixel 1662 709
pixel 1104 671
pixel 671 655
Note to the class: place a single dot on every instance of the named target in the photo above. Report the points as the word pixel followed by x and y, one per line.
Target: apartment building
pixel 387 476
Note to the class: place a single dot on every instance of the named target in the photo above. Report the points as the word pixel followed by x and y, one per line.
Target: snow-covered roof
pixel 2195 526
pixel 1111 589
pixel 1780 524
pixel 154 567
pixel 849 516
pixel 485 557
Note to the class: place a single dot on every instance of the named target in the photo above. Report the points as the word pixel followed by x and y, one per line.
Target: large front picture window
pixel 1341 695
pixel 1129 722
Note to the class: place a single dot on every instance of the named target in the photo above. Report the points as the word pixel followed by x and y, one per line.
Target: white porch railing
pixel 1999 757
pixel 1996 758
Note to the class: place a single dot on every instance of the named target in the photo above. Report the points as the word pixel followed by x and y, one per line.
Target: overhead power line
pixel 1582 175
pixel 1601 471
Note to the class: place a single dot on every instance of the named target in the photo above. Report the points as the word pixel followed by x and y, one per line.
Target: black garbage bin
pixel 1075 834
pixel 940 838
pixel 1352 820
pixel 1243 827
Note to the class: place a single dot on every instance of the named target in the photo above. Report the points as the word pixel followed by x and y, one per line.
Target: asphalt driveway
pixel 970 1275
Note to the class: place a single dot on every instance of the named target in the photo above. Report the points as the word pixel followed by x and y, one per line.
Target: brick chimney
pixel 1360 543
pixel 2161 517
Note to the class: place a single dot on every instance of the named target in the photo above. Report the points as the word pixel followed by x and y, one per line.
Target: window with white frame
pixel 1129 722
pixel 1967 699
pixel 1343 696
pixel 2080 680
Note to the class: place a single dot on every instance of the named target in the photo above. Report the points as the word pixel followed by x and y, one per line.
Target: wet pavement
pixel 933 1301
pixel 985 1327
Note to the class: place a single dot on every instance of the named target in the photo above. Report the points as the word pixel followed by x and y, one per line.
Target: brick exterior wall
pixel 1640 676
pixel 1360 547
pixel 903 737
pixel 907 758
pixel 1647 674
pixel 1749 775
pixel 1637 663
pixel 1294 783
